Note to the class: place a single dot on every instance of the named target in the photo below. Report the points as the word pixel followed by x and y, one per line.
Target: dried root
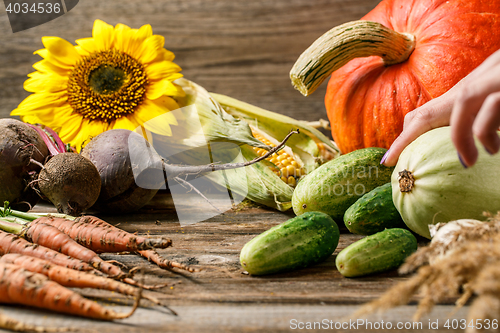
pixel 462 260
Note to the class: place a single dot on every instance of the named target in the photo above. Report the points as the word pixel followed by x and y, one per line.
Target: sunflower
pixel 118 78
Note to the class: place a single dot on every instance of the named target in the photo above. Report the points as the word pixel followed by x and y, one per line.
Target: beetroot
pixel 71 182
pixel 110 153
pixel 21 147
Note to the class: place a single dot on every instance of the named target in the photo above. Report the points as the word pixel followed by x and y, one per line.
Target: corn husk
pixel 207 133
pixel 310 145
pixel 202 119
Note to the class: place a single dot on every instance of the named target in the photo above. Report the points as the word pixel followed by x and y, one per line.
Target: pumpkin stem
pixel 406 181
pixel 343 43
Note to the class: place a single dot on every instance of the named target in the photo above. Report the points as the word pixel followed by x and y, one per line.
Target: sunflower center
pixel 107 85
pixel 107 79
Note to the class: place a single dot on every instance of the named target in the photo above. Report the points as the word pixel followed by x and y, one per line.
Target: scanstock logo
pixel 26 14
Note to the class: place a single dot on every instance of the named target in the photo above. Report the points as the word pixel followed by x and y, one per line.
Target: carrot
pixel 154 257
pixel 20 286
pixel 10 243
pixel 102 237
pixel 11 324
pixel 70 278
pixel 149 254
pixel 51 237
pixel 71 227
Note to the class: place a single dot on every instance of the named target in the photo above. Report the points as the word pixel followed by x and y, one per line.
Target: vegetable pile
pixel 63 251
pixel 287 164
pixel 353 188
pixel 424 194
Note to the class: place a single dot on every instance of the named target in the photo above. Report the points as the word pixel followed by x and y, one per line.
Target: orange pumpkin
pixel 407 52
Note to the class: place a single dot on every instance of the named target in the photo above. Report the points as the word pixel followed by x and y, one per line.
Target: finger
pixel 465 110
pixel 409 118
pixel 487 123
pixel 423 119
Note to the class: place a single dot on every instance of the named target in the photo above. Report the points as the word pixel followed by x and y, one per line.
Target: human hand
pixel 471 107
pixel 433 114
pixel 476 112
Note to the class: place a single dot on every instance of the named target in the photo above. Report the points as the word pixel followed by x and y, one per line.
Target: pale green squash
pixel 443 190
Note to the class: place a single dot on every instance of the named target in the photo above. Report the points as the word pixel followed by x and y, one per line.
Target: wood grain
pixel 221 298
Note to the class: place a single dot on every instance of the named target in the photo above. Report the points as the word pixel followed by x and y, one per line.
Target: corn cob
pixel 310 145
pixel 209 131
pixel 286 165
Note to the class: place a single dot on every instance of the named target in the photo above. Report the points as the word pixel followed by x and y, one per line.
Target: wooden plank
pixel 221 298
pixel 218 318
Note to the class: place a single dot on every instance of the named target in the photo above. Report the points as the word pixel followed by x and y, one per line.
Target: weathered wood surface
pixel 221 298
pixel 243 49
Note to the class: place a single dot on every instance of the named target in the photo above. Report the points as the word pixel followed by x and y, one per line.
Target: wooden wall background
pixel 241 48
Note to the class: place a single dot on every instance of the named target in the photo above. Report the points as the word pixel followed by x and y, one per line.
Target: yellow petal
pixel 30 119
pixel 151 48
pixel 155 119
pixel 39 101
pixel 71 129
pixel 103 35
pixel 87 46
pixel 45 66
pixel 174 76
pixel 159 70
pixel 87 131
pixel 44 53
pixel 156 89
pixel 50 115
pixel 125 123
pixel 166 55
pixel 137 37
pixel 164 87
pixel 54 116
pixel 45 82
pixel 122 37
pixel 167 103
pixel 61 49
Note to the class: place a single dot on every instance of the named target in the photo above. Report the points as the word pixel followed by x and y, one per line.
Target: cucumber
pixel 337 184
pixel 380 252
pixel 299 242
pixel 373 212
